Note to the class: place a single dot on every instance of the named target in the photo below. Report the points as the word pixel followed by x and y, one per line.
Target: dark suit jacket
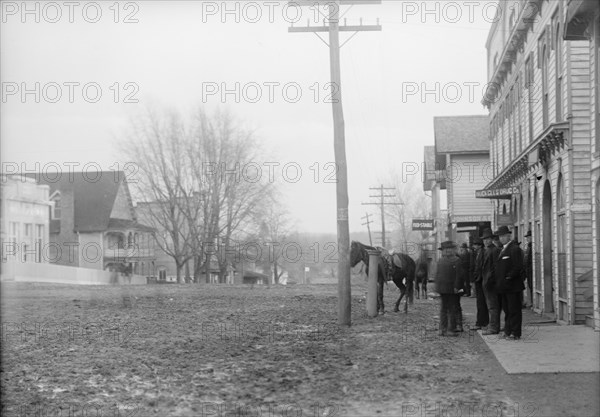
pixel 509 269
pixel 490 257
pixel 449 275
pixel 477 275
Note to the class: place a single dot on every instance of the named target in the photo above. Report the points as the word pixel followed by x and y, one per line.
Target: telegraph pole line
pixel 382 203
pixel 367 223
pixel 343 231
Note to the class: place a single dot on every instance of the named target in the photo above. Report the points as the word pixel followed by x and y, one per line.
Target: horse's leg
pixel 380 306
pixel 402 288
pixel 417 289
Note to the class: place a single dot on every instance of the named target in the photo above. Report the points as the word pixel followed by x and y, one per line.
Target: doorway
pixel 547 249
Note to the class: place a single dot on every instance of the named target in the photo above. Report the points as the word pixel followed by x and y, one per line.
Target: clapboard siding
pixel 573 163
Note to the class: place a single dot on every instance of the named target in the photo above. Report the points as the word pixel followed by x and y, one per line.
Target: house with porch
pixel 93 224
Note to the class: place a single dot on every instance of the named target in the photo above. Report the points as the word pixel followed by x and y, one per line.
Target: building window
pixel 56 211
pixel 562 247
pixel 530 85
pixel 558 63
pixel 544 64
pixel 597 81
pixel 13 237
pixel 39 242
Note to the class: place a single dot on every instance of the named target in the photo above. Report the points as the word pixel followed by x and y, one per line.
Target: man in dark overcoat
pixel 488 282
pixel 465 259
pixel 449 280
pixel 509 283
pixel 483 317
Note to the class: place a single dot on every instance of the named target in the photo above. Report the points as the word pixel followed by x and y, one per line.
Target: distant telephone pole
pixel 367 223
pixel 332 25
pixel 382 203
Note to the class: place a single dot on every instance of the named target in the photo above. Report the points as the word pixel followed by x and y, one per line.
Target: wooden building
pixel 462 156
pixel 25 222
pixel 93 224
pixel 582 23
pixel 540 127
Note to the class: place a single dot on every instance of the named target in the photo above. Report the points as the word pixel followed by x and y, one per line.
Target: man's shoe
pixel 452 334
pixel 489 332
pixel 512 337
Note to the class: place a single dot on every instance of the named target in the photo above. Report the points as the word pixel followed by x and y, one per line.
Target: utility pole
pixel 367 223
pixel 339 142
pixel 382 203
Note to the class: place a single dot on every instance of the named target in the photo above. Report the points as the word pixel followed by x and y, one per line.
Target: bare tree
pixel 274 233
pixel 194 183
pixel 157 145
pixel 414 204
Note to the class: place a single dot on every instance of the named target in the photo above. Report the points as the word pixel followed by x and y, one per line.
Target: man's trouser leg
pixel 483 317
pixel 458 313
pixel 491 298
pixel 507 312
pixel 514 316
pixel 444 313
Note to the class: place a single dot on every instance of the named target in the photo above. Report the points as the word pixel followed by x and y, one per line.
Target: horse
pixel 401 267
pixel 421 278
pixel 358 253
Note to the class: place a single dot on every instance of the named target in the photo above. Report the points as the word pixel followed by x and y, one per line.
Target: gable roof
pixel 461 134
pixel 94 196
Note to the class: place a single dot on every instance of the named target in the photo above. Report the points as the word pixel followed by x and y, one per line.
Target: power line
pixel 367 223
pixel 332 25
pixel 382 203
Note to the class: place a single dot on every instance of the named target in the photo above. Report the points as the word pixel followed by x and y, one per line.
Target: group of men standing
pixel 496 269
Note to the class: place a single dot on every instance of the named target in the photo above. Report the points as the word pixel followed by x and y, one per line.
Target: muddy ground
pixel 199 350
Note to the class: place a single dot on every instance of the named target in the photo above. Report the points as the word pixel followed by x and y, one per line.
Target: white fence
pixel 59 274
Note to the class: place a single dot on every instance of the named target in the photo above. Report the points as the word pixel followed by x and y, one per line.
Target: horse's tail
pixel 410 279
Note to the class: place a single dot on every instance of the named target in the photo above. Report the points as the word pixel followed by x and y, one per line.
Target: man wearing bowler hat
pixel 509 283
pixel 449 280
pixel 488 282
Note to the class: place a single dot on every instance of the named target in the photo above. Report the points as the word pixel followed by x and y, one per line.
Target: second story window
pixel 56 210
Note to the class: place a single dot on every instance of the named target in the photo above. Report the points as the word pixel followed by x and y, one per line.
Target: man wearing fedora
pixel 449 280
pixel 488 282
pixel 509 283
pixel 483 317
pixel 528 261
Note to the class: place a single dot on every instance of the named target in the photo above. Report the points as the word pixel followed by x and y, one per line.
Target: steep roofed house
pixel 93 223
pixel 462 155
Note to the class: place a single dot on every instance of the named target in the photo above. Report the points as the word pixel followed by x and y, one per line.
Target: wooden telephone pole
pixel 382 203
pixel 367 223
pixel 339 141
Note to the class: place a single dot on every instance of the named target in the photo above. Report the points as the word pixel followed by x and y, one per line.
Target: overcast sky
pixel 183 54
